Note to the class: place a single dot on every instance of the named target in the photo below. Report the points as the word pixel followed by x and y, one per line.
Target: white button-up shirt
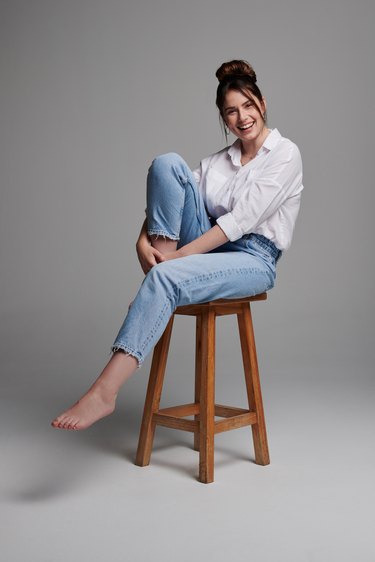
pixel 261 197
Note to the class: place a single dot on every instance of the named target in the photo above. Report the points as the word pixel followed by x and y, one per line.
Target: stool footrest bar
pixel 234 417
pixel 181 411
pixel 175 422
pixel 235 422
pixel 228 411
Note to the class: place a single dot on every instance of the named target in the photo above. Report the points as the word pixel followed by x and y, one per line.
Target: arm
pixel 265 194
pixel 208 241
pixel 143 234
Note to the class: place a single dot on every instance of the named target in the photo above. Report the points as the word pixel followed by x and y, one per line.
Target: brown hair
pixel 237 75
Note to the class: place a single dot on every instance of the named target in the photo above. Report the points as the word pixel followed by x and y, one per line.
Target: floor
pixel 79 495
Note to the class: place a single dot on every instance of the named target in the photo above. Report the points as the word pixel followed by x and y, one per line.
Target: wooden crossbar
pixel 234 417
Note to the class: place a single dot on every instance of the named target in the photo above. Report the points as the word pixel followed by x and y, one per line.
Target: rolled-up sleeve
pixel 264 194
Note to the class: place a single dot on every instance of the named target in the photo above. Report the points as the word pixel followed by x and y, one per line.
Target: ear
pixel 264 105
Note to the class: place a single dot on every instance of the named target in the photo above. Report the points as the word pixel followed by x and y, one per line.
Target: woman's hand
pixel 148 256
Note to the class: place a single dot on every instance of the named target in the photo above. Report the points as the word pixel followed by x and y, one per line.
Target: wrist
pixel 143 237
pixel 141 243
pixel 181 252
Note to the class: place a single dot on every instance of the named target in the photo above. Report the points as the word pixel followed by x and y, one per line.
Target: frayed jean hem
pixel 158 233
pixel 121 347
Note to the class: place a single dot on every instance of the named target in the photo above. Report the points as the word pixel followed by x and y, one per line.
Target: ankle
pixel 105 392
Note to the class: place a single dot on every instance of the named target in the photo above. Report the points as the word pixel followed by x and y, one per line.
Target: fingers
pixel 146 268
pixel 158 256
pixel 148 265
pixel 149 258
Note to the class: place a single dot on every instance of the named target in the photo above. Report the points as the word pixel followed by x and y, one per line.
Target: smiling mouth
pixel 246 127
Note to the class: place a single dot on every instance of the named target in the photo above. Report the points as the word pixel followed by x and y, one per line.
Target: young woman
pixel 217 232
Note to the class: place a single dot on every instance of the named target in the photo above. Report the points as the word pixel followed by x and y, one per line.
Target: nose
pixel 241 115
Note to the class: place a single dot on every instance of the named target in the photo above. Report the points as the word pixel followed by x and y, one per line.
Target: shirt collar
pixel 234 151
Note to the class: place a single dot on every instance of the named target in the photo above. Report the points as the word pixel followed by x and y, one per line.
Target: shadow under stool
pixel 204 408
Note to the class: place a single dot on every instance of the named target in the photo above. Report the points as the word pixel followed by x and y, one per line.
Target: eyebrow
pixel 233 107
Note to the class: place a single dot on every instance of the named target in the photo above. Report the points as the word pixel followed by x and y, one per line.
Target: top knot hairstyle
pixel 237 75
pixel 235 68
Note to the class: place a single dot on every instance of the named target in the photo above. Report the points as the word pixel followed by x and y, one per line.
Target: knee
pixel 165 163
pixel 161 278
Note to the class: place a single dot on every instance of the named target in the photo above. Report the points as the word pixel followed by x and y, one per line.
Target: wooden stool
pixel 204 408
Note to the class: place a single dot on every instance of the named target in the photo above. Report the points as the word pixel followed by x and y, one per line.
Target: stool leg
pixel 153 395
pixel 207 398
pixel 198 368
pixel 254 394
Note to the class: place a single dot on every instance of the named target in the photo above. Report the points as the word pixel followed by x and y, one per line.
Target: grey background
pixel 90 92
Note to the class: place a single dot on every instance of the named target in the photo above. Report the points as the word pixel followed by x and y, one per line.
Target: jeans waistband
pixel 265 243
pixel 262 241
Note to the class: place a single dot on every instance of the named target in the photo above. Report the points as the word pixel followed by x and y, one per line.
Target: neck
pixel 249 149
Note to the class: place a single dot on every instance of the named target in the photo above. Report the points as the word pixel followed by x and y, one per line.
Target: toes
pixel 71 423
pixel 66 423
pixel 62 422
pixel 56 422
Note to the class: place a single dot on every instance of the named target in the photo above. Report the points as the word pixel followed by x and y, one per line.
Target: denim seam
pixel 149 337
pixel 151 333
pixel 196 205
pixel 218 274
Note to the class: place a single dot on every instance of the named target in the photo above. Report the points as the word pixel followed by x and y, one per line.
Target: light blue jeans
pixel 175 209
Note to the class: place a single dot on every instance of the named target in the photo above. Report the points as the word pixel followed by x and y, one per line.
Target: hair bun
pixel 237 68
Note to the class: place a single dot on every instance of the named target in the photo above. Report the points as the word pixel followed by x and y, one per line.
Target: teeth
pixel 246 126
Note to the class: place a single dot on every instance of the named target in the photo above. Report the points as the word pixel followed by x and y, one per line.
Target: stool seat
pixel 204 426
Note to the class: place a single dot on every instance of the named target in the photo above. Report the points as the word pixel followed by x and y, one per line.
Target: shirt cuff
pixel 229 226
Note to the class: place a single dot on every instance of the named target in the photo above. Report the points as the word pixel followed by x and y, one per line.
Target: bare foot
pixel 90 408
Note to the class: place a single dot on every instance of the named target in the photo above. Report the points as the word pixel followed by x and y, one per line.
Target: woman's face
pixel 243 116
